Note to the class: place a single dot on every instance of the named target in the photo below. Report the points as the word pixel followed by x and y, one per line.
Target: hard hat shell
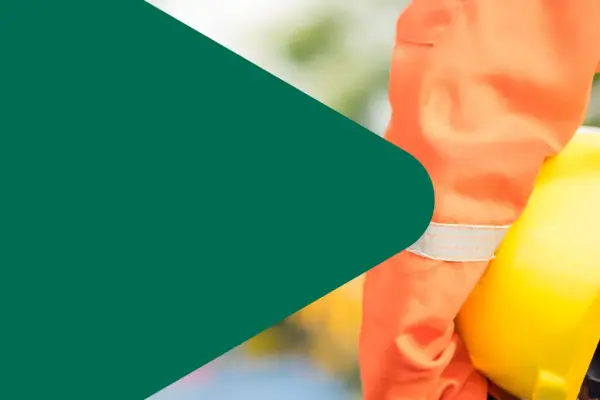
pixel 532 324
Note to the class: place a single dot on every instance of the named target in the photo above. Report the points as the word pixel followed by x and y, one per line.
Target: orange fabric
pixel 481 92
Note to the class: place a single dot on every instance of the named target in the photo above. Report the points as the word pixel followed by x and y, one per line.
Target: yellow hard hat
pixel 532 324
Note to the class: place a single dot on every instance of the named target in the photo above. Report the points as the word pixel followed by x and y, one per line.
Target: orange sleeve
pixel 482 91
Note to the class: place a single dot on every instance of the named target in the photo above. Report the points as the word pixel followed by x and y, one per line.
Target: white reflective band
pixel 588 130
pixel 459 243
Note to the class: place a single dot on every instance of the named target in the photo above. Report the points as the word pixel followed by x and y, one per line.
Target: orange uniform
pixel 482 91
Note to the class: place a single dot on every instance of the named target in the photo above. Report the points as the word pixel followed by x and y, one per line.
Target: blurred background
pixel 339 53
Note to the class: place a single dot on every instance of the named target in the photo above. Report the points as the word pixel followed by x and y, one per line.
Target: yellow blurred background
pixel 330 326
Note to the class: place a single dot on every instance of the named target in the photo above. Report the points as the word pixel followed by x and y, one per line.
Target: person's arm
pixel 482 91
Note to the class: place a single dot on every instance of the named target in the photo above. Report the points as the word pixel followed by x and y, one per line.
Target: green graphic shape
pixel 164 199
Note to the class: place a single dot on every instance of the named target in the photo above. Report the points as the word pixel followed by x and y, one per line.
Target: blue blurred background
pixel 270 378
